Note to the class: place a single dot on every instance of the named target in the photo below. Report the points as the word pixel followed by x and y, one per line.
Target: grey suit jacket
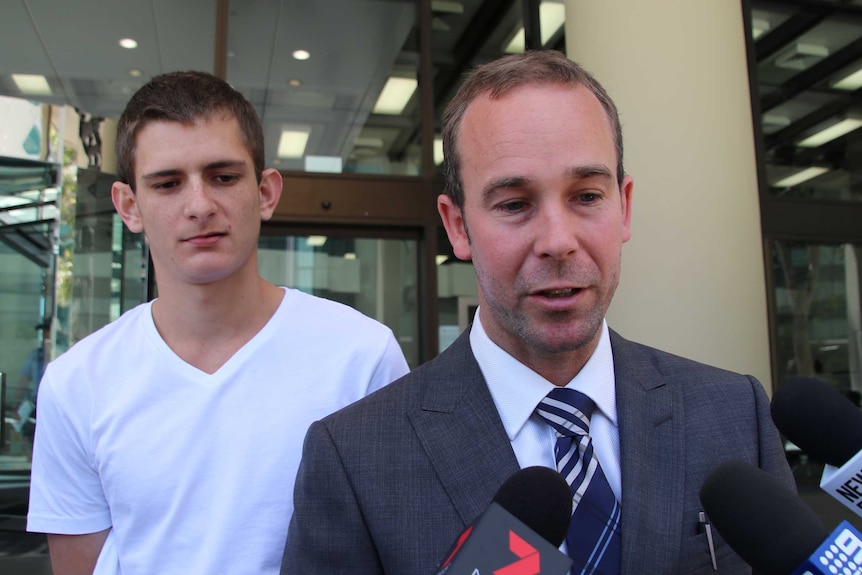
pixel 387 484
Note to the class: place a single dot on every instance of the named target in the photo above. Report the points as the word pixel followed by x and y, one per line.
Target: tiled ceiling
pixel 802 49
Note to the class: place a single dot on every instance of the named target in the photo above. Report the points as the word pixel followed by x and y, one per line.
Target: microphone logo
pixel 458 545
pixel 528 562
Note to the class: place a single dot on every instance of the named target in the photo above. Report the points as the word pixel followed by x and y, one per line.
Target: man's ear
pixel 126 204
pixel 271 185
pixel 626 198
pixel 456 227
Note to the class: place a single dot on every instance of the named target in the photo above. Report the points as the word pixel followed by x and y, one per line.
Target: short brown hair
pixel 184 97
pixel 501 76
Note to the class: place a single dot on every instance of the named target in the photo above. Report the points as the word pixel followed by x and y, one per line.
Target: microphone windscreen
pixel 766 523
pixel 540 498
pixel 816 417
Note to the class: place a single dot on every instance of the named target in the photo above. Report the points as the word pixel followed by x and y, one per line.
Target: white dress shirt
pixel 517 390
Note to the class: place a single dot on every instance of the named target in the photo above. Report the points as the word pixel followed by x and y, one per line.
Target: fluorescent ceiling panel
pixel 292 143
pixel 850 82
pixel 32 84
pixel 832 132
pixel 395 95
pixel 759 27
pixel 551 18
pixel 438 150
pixel 801 176
pixel 316 241
pixel 552 15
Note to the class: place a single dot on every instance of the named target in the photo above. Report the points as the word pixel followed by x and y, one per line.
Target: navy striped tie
pixel 593 539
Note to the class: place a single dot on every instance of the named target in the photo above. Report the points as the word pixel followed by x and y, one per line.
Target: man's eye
pixel 588 197
pixel 226 178
pixel 165 185
pixel 514 206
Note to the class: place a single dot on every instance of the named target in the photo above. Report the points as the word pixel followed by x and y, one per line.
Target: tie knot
pixel 566 410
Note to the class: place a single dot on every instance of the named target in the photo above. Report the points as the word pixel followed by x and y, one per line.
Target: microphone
pixel 773 530
pixel 520 532
pixel 827 426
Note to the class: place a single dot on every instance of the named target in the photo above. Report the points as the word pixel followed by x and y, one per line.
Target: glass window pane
pixel 457 292
pixel 334 82
pixel 818 312
pixel 375 276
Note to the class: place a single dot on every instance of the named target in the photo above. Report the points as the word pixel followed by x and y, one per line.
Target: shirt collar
pixel 517 389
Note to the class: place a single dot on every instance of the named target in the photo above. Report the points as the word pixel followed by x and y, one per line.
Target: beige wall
pixel 693 278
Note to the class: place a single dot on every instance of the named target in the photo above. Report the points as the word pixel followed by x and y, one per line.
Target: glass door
pixel 376 275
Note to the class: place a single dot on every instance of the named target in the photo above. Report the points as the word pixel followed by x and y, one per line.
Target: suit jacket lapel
pixel 652 447
pixel 461 432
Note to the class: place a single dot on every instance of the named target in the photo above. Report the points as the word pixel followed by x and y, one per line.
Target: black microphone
pixel 521 530
pixel 773 530
pixel 821 421
pixel 828 427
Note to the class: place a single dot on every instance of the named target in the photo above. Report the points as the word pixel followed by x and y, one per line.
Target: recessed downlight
pixel 128 43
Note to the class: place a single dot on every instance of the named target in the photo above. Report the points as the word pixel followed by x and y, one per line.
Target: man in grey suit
pixel 536 196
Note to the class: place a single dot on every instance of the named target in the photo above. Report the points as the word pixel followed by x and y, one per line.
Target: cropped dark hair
pixel 498 78
pixel 185 97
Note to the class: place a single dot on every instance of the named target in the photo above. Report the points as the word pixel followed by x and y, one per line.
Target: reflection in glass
pixel 457 292
pixel 818 312
pixel 375 276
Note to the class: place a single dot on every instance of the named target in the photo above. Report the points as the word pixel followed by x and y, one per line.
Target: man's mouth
pixel 558 293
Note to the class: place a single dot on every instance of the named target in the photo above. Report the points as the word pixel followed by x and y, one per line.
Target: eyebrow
pixel 176 172
pixel 583 172
pixel 590 171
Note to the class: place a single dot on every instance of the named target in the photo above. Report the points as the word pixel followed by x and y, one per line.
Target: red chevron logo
pixel 528 558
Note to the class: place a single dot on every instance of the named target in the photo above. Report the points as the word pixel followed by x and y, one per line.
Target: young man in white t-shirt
pixel 168 441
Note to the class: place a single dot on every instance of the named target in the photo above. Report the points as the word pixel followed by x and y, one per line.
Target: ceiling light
pixel 850 82
pixel 517 44
pixel 439 259
pixel 759 27
pixel 836 130
pixel 32 84
pixel 800 176
pixel 316 241
pixel 552 16
pixel 350 256
pixel 292 143
pixel 128 43
pixel 801 56
pixel 301 54
pixel 776 121
pixel 295 83
pixel 395 95
pixel 134 73
pixel 438 150
pixel 368 142
pixel 446 7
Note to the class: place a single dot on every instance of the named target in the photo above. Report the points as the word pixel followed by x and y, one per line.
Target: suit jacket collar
pixel 460 430
pixel 652 446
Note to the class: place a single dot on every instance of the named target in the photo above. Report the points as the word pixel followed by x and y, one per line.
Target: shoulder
pixel 629 355
pixel 113 335
pixel 437 385
pixel 320 314
pixel 701 384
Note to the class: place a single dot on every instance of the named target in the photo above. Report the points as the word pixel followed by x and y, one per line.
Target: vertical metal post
pixel 3 409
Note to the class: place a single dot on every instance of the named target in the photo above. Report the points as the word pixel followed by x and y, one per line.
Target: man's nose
pixel 199 203
pixel 556 233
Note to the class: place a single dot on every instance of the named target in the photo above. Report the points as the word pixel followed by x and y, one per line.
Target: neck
pixel 206 324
